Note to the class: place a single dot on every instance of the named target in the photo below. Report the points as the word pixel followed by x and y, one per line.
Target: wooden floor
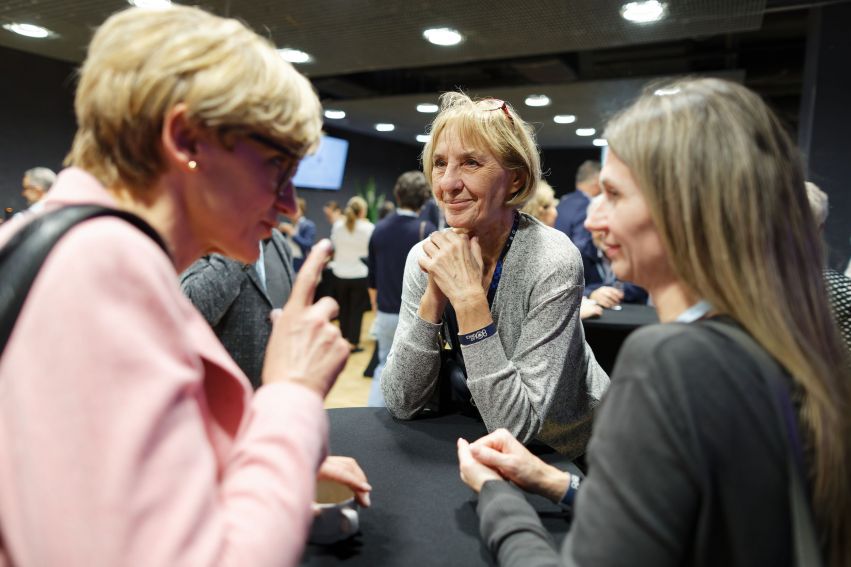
pixel 352 388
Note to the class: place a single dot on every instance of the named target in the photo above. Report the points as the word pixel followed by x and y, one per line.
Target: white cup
pixel 337 517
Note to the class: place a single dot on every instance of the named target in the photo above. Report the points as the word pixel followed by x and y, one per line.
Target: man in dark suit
pixel 301 233
pixel 573 206
pixel 236 299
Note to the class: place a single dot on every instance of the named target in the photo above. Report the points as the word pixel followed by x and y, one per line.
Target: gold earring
pixel 192 164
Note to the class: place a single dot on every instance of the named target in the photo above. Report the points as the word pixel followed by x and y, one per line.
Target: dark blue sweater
pixel 392 239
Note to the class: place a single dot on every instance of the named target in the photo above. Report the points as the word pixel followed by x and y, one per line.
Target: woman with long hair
pixel 350 236
pixel 689 461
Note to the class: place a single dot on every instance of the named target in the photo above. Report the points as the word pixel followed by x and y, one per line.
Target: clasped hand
pixel 453 262
pixel 500 456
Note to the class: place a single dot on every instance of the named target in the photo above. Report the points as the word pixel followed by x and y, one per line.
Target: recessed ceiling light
pixel 585 131
pixel 537 100
pixel 383 127
pixel 427 107
pixel 564 118
pixel 28 30
pixel 643 12
pixel 600 142
pixel 666 91
pixel 443 36
pixel 335 114
pixel 150 3
pixel 295 55
pixel 423 138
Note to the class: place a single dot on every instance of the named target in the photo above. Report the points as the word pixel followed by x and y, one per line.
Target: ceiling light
pixel 423 138
pixel 383 127
pixel 537 100
pixel 443 36
pixel 335 114
pixel 295 55
pixel 150 3
pixel 564 118
pixel 427 107
pixel 667 91
pixel 643 12
pixel 28 30
pixel 585 131
pixel 600 142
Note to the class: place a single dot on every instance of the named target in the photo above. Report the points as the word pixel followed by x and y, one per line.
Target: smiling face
pixel 470 183
pixel 239 201
pixel 629 237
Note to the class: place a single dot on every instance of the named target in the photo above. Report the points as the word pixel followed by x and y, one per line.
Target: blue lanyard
pixel 695 312
pixel 497 272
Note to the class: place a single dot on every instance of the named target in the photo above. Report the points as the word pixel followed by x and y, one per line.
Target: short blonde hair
pixel 544 197
pixel 494 125
pixel 143 62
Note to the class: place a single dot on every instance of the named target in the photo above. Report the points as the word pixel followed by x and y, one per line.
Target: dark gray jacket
pixel 231 297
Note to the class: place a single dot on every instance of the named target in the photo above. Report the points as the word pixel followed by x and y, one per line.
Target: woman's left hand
pixel 454 261
pixel 473 473
pixel 346 471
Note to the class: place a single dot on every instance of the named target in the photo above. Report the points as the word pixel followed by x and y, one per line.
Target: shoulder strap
pixel 806 549
pixel 22 257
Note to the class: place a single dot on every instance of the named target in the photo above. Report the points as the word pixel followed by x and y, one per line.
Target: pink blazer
pixel 127 434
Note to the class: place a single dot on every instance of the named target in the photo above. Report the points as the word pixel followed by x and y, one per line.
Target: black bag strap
pixel 23 255
pixel 805 544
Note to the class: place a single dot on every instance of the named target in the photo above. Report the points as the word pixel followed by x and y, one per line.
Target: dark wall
pixel 559 167
pixel 36 118
pixel 826 121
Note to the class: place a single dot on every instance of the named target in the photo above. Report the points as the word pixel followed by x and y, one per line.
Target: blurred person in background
pixel 350 237
pixel 542 205
pixel 389 245
pixel 838 285
pixel 36 183
pixel 300 233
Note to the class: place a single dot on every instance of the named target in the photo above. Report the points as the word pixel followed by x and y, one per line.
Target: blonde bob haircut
pixel 725 188
pixel 492 125
pixel 543 198
pixel 143 62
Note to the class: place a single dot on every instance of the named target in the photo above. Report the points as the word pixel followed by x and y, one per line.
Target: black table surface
pixel 629 317
pixel 421 513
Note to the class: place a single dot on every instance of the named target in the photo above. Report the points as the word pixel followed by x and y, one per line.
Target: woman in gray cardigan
pixel 514 284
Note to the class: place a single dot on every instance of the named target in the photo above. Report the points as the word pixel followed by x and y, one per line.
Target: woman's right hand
pixel 505 454
pixel 432 303
pixel 305 347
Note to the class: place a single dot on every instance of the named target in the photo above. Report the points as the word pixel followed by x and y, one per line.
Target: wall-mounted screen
pixel 324 169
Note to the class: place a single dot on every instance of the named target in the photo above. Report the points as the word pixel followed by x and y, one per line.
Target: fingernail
pixel 367 500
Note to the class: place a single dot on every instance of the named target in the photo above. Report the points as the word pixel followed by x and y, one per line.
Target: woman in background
pixel 542 204
pixel 350 236
pixel 688 464
pixel 128 436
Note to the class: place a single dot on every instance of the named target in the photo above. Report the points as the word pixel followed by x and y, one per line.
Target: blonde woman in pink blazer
pixel 128 436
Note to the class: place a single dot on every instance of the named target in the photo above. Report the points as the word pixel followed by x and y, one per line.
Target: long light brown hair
pixel 355 209
pixel 725 188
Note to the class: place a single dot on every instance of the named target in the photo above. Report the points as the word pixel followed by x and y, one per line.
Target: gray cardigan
pixel 536 377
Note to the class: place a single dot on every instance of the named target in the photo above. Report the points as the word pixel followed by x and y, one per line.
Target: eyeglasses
pixel 496 104
pixel 286 166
